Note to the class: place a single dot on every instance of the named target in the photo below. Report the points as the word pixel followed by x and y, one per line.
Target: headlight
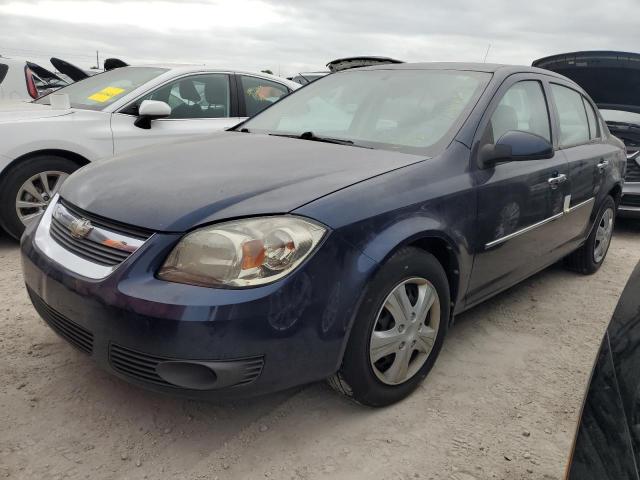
pixel 242 253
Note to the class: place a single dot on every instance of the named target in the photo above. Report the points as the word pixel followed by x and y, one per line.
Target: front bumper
pixel 630 202
pixel 203 342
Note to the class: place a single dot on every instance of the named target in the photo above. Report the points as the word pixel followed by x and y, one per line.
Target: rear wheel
pixel 27 189
pixel 398 331
pixel 588 258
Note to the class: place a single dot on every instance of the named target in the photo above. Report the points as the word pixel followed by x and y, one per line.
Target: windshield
pixel 100 91
pixel 620 116
pixel 415 111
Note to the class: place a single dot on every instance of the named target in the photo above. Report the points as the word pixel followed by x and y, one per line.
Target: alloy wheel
pixel 405 331
pixel 603 235
pixel 35 194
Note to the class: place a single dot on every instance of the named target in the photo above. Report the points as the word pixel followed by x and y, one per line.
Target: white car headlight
pixel 242 253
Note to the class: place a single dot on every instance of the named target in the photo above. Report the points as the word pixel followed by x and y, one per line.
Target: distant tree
pixel 267 71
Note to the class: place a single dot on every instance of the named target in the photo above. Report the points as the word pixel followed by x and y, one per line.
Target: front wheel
pixel 398 331
pixel 27 189
pixel 590 256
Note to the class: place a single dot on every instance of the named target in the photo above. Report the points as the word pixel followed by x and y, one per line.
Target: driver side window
pixel 522 108
pixel 196 96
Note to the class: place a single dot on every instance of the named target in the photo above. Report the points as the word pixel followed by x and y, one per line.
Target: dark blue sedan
pixel 334 235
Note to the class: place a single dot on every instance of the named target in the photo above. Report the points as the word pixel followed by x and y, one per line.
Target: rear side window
pixel 3 71
pixel 591 119
pixel 260 93
pixel 522 108
pixel 574 126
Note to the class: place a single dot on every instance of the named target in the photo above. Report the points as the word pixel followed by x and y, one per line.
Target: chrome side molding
pixel 528 229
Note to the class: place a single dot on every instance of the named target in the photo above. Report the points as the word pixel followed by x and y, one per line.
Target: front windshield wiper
pixel 315 138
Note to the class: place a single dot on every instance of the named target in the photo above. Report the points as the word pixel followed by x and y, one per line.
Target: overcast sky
pixel 301 35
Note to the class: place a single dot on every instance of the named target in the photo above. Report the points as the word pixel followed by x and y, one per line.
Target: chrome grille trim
pixel 88 256
pixel 99 245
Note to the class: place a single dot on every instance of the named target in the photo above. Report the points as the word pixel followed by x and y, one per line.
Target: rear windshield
pixel 3 71
pixel 415 111
pixel 100 91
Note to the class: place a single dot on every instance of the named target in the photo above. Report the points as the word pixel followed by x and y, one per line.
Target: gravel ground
pixel 501 402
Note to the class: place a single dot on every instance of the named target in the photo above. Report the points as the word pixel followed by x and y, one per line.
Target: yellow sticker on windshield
pixel 106 94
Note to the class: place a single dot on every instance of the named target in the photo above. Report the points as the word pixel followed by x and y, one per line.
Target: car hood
pixel 610 78
pixel 20 111
pixel 226 175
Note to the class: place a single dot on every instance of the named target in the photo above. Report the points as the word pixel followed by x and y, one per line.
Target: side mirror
pixel 151 110
pixel 514 146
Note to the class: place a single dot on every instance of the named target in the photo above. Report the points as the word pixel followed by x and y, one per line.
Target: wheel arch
pixel 445 253
pixel 80 160
pixel 451 254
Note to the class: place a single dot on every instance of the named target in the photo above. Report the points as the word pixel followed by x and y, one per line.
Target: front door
pixel 200 104
pixel 520 203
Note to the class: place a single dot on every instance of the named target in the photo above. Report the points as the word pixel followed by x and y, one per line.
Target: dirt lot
pixel 501 402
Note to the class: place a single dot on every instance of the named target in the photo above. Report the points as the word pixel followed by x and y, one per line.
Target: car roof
pixel 466 66
pixel 178 69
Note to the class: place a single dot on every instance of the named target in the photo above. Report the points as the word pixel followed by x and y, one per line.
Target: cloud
pixel 297 35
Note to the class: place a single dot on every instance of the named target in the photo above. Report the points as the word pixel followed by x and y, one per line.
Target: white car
pixel 24 80
pixel 110 113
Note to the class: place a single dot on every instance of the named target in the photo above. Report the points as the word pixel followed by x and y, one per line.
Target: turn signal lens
pixel 242 253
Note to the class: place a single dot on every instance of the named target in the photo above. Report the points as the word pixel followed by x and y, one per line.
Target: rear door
pixel 520 204
pixel 589 157
pixel 257 93
pixel 200 104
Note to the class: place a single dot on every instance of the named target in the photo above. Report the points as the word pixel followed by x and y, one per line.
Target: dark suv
pixel 334 235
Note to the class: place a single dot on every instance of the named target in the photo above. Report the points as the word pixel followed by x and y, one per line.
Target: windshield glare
pixel 100 91
pixel 406 110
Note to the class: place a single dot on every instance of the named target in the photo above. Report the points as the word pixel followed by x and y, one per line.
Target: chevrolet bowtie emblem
pixel 80 227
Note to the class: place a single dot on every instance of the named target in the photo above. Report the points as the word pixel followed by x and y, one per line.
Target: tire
pixel 585 260
pixel 378 383
pixel 13 181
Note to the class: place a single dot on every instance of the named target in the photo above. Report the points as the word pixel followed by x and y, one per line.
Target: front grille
pixel 88 248
pixel 85 248
pixel 79 337
pixel 142 366
pixel 633 169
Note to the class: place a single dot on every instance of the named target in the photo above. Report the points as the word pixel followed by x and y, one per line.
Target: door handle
pixel 554 182
pixel 602 165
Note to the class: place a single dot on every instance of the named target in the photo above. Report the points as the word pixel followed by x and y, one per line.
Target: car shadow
pixel 6 242
pixel 627 225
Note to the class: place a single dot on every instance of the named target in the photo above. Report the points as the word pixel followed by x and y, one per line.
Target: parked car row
pixel 20 79
pixel 333 235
